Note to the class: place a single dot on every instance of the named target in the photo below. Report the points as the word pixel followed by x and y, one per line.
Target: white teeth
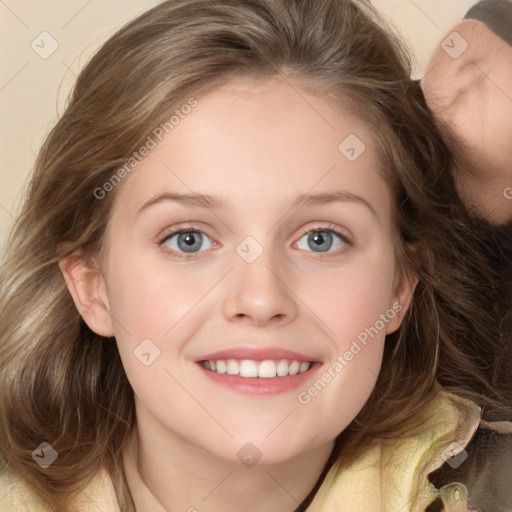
pixel 294 368
pixel 233 367
pixel 267 369
pixel 303 367
pixel 282 368
pixel 248 368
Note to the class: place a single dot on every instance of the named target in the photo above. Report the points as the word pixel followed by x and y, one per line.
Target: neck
pixel 167 475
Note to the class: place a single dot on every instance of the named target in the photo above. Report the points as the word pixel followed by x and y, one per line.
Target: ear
pixel 404 285
pixel 86 285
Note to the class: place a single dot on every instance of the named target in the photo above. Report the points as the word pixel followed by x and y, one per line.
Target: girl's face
pixel 258 283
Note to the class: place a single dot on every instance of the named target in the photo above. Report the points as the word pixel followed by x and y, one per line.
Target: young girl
pixel 242 278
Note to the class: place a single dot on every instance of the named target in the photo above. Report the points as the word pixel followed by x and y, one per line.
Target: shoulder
pixel 395 475
pixel 16 495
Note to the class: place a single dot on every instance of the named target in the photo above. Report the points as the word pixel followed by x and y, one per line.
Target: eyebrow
pixel 212 202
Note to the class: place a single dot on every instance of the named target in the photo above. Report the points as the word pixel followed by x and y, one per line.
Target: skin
pixel 472 96
pixel 258 145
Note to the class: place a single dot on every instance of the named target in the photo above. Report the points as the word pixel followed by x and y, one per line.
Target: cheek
pixel 352 298
pixel 355 306
pixel 357 316
pixel 150 302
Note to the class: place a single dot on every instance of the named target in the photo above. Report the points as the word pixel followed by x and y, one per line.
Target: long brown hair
pixel 64 384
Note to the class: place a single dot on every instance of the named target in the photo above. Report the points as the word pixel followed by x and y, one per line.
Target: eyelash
pixel 171 233
pixel 188 228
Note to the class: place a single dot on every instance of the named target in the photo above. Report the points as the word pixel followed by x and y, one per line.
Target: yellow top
pixel 391 476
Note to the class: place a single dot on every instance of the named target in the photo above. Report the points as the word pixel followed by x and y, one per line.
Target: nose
pixel 260 293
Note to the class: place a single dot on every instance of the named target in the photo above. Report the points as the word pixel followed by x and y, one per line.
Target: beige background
pixel 33 89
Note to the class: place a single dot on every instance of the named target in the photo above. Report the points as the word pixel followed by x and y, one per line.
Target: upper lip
pixel 257 354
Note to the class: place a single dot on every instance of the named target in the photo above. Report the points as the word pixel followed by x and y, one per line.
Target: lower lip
pixel 258 385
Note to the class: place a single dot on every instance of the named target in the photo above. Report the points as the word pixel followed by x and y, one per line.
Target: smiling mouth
pixel 248 368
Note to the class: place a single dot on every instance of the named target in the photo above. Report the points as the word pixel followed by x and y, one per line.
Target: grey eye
pixel 321 240
pixel 186 241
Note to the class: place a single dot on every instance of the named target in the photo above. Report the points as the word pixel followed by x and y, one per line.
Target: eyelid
pixel 167 232
pixel 316 226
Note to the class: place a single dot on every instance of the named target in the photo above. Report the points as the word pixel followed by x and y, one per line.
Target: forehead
pixel 253 140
